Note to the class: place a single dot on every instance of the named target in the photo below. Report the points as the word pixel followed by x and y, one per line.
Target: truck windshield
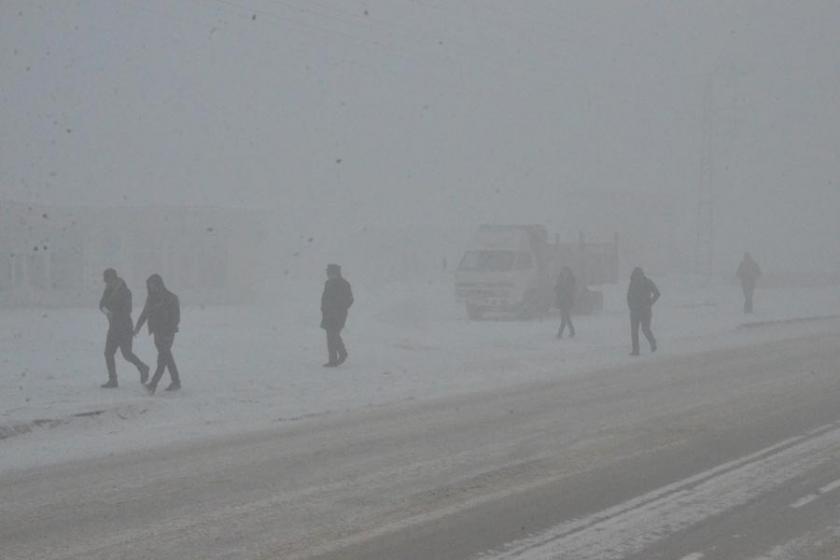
pixel 488 261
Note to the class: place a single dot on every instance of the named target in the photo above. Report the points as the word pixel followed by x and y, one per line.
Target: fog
pixel 535 343
pixel 419 120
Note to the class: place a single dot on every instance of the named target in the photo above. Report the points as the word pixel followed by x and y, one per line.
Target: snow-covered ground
pixel 252 368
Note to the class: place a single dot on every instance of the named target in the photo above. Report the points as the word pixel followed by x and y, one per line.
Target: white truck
pixel 511 270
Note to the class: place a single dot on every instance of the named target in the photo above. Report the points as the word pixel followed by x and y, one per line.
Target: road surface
pixel 731 454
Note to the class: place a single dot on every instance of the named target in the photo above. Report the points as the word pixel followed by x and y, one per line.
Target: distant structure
pixel 51 255
pixel 637 218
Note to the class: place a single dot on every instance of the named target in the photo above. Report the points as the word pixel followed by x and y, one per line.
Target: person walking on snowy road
pixel 641 295
pixel 564 292
pixel 748 273
pixel 335 302
pixel 116 305
pixel 163 312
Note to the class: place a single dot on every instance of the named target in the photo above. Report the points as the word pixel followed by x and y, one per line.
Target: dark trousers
pixel 120 339
pixel 566 319
pixel 641 318
pixel 165 360
pixel 748 298
pixel 335 346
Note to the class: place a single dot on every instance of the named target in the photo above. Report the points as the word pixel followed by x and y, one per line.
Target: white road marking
pixel 693 556
pixel 804 501
pixel 631 527
pixel 830 487
pixel 802 547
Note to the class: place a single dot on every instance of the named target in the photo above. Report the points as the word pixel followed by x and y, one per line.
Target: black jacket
pixel 116 299
pixel 642 293
pixel 748 272
pixel 163 311
pixel 335 301
pixel 565 290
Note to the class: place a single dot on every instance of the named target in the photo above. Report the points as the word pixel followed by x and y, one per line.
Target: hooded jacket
pixel 642 292
pixel 162 310
pixel 116 299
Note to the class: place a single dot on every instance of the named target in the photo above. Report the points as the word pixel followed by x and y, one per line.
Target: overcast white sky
pixel 387 112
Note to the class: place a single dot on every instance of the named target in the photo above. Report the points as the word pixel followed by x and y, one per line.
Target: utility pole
pixel 715 111
pixel 704 249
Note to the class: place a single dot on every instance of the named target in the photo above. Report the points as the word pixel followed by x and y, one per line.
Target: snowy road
pixel 719 455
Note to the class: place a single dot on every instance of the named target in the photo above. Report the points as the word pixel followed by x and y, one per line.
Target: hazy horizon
pixel 335 116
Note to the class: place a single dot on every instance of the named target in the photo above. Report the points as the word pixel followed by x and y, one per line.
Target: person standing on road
pixel 748 273
pixel 565 292
pixel 335 301
pixel 641 295
pixel 163 312
pixel 116 305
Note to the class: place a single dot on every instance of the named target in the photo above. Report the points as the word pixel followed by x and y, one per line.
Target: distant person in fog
pixel 564 291
pixel 163 312
pixel 641 295
pixel 116 305
pixel 748 273
pixel 335 302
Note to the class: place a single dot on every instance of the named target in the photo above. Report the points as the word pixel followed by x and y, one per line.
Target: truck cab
pixel 504 270
pixel 511 270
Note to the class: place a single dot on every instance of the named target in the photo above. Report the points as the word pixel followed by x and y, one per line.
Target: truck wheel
pixel 474 312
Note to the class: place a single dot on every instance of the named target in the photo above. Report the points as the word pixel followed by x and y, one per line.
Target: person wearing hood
pixel 116 305
pixel 335 302
pixel 564 292
pixel 163 313
pixel 641 295
pixel 748 273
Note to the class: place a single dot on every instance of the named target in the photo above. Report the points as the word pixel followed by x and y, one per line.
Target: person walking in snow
pixel 564 292
pixel 641 295
pixel 335 302
pixel 748 273
pixel 163 312
pixel 116 305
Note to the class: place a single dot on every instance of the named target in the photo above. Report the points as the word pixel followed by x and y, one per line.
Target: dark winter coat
pixel 642 293
pixel 163 311
pixel 116 299
pixel 564 291
pixel 335 301
pixel 748 272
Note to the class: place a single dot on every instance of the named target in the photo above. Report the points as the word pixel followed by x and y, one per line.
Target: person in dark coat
pixel 116 305
pixel 641 295
pixel 565 291
pixel 163 312
pixel 335 301
pixel 748 273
